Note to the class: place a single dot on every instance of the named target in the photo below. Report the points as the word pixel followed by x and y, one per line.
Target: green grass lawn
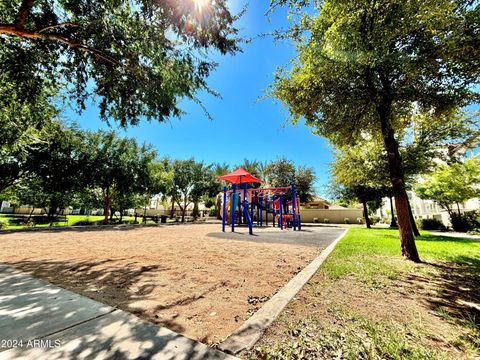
pixel 12 221
pixel 366 302
pixel 373 255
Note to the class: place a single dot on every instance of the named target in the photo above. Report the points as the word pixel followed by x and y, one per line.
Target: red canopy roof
pixel 240 176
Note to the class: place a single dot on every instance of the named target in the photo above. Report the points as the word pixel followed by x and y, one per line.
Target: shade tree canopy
pixel 191 180
pixel 362 66
pixel 118 166
pixel 136 58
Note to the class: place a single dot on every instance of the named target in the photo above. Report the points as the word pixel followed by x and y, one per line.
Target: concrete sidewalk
pixel 42 321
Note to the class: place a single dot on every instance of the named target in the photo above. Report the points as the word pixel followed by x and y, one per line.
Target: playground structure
pixel 243 205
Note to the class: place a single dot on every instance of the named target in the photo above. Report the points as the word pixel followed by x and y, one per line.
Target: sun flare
pixel 201 4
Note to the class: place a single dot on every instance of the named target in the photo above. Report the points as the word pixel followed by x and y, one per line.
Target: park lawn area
pixel 366 302
pixel 72 220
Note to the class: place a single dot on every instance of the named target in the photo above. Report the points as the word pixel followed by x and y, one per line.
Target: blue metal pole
pixel 281 212
pixel 266 210
pixel 260 213
pixel 252 204
pixel 233 206
pixel 294 205
pixel 239 209
pixel 273 210
pixel 245 202
pixel 224 213
pixel 247 215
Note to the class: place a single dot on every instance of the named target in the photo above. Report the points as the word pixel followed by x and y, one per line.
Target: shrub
pixel 374 219
pixel 360 220
pixel 346 221
pixel 212 211
pixel 474 232
pixel 464 222
pixel 326 221
pixel 432 224
pixel 3 224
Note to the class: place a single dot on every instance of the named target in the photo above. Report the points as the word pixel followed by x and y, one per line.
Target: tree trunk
pixel 393 223
pixel 412 220
pixel 219 206
pixel 107 202
pixel 184 210
pixel 365 214
pixel 51 214
pixel 172 210
pixel 458 209
pixel 196 212
pixel 407 239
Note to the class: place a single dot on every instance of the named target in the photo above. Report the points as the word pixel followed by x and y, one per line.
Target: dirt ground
pixel 177 276
pixel 414 305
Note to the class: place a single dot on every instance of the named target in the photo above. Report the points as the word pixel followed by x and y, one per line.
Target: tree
pixel 451 185
pixel 138 58
pixel 363 195
pixel 361 173
pixel 219 170
pixel 28 191
pixel 362 66
pixel 188 183
pixel 304 179
pixel 57 168
pixel 24 125
pixel 282 172
pixel 118 166
pixel 264 173
pixel 423 143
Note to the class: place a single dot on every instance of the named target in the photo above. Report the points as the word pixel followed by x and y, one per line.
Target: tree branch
pixel 64 24
pixel 12 30
pixel 23 13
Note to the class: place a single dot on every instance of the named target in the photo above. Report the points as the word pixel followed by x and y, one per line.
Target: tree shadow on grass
pixel 453 292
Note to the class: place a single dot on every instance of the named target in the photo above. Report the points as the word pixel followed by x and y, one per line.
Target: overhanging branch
pixel 12 30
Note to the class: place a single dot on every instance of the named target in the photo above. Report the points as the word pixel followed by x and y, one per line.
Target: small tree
pixel 282 172
pixel 188 183
pixel 363 195
pixel 451 185
pixel 58 164
pixel 118 166
pixel 304 179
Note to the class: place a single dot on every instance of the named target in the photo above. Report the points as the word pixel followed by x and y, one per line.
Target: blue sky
pixel 243 127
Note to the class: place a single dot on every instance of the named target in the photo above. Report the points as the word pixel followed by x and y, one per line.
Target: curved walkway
pixel 42 321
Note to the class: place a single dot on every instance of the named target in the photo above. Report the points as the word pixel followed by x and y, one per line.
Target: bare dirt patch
pixel 175 276
pixel 431 310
